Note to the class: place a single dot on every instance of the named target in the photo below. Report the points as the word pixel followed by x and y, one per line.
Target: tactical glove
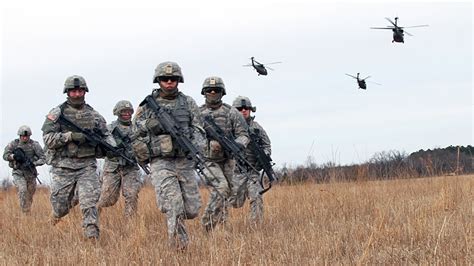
pixel 153 125
pixel 78 137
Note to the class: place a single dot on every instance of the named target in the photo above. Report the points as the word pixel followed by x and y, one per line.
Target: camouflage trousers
pixel 85 183
pixel 26 185
pixel 177 195
pixel 244 187
pixel 220 183
pixel 126 179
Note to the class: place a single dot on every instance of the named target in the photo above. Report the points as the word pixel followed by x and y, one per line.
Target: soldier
pixel 172 174
pixel 119 173
pixel 222 166
pixel 73 157
pixel 23 155
pixel 244 187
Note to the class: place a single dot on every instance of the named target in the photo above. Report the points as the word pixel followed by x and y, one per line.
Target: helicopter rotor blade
pixel 407 33
pixel 366 78
pixel 269 68
pixel 417 26
pixel 393 23
pixel 247 65
pixel 372 82
pixel 380 28
pixel 272 63
pixel 351 76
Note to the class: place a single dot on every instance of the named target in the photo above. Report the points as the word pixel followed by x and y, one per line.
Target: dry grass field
pixel 410 221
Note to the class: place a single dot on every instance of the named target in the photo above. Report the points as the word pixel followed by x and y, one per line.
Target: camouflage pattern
pixel 172 174
pixel 122 105
pixel 23 177
pixel 73 164
pixel 249 187
pixel 213 82
pixel 168 69
pixel 73 82
pixel 233 124
pixel 24 131
pixel 119 175
pixel 242 101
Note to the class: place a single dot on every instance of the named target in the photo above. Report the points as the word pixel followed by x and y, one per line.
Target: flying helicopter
pixel 361 82
pixel 259 67
pixel 398 31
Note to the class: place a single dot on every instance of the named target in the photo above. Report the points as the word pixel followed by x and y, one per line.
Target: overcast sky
pixel 308 105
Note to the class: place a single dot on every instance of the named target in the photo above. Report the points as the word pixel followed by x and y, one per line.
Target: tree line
pixel 452 160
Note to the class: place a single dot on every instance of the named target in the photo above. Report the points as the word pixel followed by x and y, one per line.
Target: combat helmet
pixel 122 105
pixel 242 101
pixel 24 131
pixel 75 82
pixel 168 69
pixel 213 82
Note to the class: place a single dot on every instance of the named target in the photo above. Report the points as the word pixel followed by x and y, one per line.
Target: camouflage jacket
pixel 61 150
pixel 122 135
pixel 231 122
pixel 263 141
pixel 32 150
pixel 185 112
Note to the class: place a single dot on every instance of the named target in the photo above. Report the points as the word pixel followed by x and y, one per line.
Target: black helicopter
pixel 361 82
pixel 259 67
pixel 398 31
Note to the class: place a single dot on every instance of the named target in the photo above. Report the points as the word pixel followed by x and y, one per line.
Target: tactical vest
pixel 220 117
pixel 179 109
pixel 85 119
pixel 27 148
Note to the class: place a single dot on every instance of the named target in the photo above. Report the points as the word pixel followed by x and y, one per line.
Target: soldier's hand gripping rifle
pixel 169 124
pixel 231 148
pixel 94 138
pixel 127 145
pixel 25 162
pixel 263 159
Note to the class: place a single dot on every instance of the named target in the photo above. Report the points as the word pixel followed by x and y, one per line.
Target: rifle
pixel 169 124
pixel 263 159
pixel 20 157
pixel 93 137
pixel 229 145
pixel 126 143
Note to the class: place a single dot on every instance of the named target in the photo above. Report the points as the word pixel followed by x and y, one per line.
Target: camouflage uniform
pixel 118 173
pixel 24 177
pixel 249 187
pixel 172 174
pixel 222 167
pixel 73 159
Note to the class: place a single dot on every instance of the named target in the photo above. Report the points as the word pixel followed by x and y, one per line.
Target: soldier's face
pixel 24 138
pixel 245 111
pixel 76 93
pixel 126 114
pixel 168 83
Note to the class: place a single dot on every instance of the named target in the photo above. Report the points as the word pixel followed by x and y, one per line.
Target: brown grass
pixel 427 221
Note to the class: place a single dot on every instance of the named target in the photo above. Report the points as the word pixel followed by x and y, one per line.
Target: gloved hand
pixel 78 137
pixel 153 125
pixel 110 155
pixel 241 146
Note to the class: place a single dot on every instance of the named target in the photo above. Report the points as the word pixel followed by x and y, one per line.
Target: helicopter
pixel 398 31
pixel 259 67
pixel 361 82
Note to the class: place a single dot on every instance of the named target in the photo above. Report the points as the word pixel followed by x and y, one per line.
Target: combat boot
pixel 91 232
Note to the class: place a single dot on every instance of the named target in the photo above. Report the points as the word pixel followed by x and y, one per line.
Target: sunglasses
pixel 166 79
pixel 244 108
pixel 215 89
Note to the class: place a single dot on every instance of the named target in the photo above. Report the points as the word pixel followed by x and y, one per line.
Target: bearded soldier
pixel 23 155
pixel 244 187
pixel 231 122
pixel 118 173
pixel 73 157
pixel 172 174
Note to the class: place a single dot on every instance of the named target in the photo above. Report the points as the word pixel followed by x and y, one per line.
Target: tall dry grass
pixel 413 221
